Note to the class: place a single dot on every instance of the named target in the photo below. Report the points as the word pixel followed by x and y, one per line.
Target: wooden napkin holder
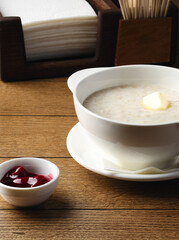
pixel 13 63
pixel 148 41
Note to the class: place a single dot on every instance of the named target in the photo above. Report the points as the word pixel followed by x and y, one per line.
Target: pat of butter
pixel 155 101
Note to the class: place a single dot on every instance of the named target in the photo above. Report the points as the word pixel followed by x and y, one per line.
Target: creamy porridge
pixel 124 103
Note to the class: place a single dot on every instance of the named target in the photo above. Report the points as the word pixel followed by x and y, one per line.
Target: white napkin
pixel 35 11
pixel 109 166
pixel 54 28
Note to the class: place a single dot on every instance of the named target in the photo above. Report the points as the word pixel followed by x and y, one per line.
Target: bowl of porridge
pixel 108 104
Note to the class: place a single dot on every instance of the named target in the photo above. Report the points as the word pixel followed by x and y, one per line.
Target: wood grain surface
pixel 89 224
pixel 32 98
pixel 35 118
pixel 80 188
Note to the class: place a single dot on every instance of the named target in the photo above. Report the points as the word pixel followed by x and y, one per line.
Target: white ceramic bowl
pixel 28 197
pixel 130 146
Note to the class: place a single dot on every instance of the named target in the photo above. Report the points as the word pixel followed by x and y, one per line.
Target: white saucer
pixel 83 152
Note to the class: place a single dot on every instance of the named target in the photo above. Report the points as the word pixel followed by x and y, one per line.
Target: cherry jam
pixel 18 176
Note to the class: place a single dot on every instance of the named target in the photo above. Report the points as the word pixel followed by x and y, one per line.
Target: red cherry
pixel 19 177
pixel 41 180
pixel 21 182
pixel 18 172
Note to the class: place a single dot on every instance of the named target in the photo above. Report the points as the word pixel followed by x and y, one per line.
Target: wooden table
pixel 35 118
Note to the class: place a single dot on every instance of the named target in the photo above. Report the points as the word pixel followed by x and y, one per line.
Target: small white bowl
pixel 28 197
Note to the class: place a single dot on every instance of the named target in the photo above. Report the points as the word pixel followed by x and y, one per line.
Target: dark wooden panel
pixel 13 58
pixel 148 41
pixel 144 41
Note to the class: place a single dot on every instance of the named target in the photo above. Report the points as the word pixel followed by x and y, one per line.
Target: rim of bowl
pixel 31 188
pixel 121 122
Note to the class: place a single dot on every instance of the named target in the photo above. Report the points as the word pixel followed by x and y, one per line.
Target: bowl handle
pixel 76 77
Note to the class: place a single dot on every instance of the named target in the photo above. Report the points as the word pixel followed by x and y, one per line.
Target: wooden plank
pixel 34 135
pixel 80 188
pixel 40 97
pixel 89 224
